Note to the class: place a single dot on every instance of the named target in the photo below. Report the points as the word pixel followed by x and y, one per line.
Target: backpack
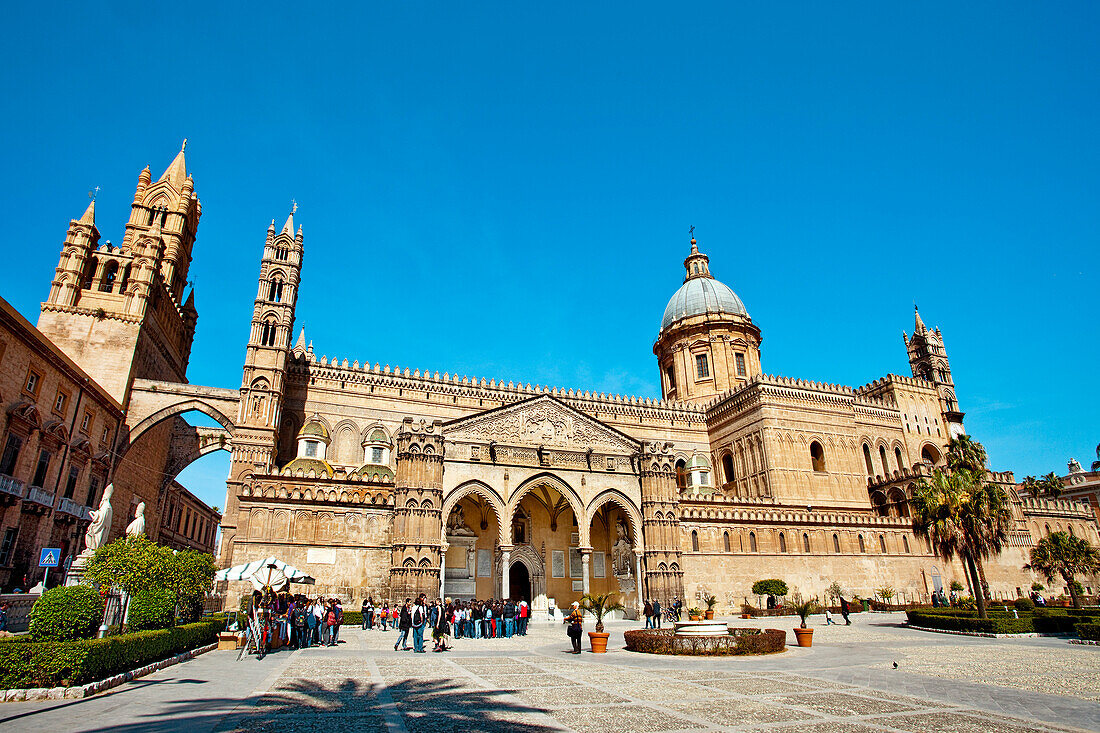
pixel 330 619
pixel 418 617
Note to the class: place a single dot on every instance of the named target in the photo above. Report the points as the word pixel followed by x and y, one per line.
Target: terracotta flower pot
pixel 598 640
pixel 805 637
pixel 746 615
pixel 694 618
pixel 709 615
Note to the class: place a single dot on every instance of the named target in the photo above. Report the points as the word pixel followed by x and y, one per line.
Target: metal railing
pixel 71 507
pixel 13 486
pixel 39 496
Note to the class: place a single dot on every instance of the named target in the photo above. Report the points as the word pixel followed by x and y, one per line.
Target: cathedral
pixel 391 481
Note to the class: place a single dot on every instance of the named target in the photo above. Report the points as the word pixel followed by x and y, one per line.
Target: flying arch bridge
pixel 153 402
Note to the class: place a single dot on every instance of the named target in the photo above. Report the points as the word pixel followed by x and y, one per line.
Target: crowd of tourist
pixel 447 619
pixel 295 620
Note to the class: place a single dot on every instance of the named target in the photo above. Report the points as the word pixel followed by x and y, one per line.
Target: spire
pixel 288 228
pixel 301 344
pixel 176 173
pixel 920 328
pixel 89 214
pixel 697 264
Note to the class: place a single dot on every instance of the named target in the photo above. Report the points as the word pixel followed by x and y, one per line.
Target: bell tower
pixel 928 361
pixel 120 311
pixel 263 383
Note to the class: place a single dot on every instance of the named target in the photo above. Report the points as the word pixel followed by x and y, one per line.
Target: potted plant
pixel 711 602
pixel 694 614
pixel 747 610
pixel 805 636
pixel 599 605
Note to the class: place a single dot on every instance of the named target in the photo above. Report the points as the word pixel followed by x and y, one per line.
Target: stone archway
pixel 527 556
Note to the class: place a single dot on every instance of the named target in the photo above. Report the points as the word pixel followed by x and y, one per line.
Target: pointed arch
pixel 614 496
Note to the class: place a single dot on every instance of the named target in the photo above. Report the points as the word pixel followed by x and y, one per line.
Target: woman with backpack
pixel 575 623
pixel 404 623
pixel 384 617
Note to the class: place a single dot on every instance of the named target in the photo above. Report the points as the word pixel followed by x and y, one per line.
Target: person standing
pixel 366 612
pixel 656 614
pixel 419 620
pixel 844 612
pixel 384 617
pixel 509 612
pixel 318 610
pixel 647 611
pixel 524 616
pixel 4 616
pixel 404 623
pixel 339 609
pixel 574 625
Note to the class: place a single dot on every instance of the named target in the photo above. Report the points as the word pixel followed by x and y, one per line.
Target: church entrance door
pixel 519 582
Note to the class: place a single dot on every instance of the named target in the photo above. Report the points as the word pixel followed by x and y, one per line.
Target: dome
pixel 700 296
pixel 314 429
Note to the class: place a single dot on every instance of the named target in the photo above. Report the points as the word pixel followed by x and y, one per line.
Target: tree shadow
pixel 423 706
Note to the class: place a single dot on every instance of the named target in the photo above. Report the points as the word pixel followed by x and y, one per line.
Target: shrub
pixel 1024 605
pixel 152 609
pixel 1089 631
pixel 738 641
pixel 770 587
pixel 1054 624
pixel 56 663
pixel 954 622
pixel 956 586
pixel 65 613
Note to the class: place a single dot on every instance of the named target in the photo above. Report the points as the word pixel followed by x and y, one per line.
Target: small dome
pixel 701 296
pixel 378 436
pixel 314 429
pixel 698 461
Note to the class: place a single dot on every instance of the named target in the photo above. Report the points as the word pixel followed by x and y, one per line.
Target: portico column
pixel 442 569
pixel 586 557
pixel 638 576
pixel 505 556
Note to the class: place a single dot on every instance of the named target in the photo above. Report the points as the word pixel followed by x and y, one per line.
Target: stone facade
pixel 389 481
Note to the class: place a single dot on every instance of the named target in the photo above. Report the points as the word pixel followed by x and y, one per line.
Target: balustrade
pixel 13 486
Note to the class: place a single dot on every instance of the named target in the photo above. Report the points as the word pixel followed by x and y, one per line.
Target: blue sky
pixel 505 190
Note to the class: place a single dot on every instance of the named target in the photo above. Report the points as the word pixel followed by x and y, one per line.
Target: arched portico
pixel 473 520
pixel 613 560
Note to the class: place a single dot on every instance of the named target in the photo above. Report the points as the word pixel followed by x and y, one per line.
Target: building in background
pixel 389 481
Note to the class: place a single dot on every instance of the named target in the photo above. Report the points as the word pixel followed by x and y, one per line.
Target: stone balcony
pixel 38 495
pixel 12 487
pixel 68 506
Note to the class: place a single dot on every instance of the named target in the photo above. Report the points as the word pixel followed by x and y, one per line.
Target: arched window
pixel 1048 530
pixel 862 547
pixel 882 457
pixel 267 334
pixel 867 459
pixel 905 542
pixel 681 474
pixel 110 271
pixel 726 541
pixel 752 541
pixel 727 467
pixel 90 267
pixel 805 542
pixel 882 543
pixel 817 456
pixel 125 278
pixel 275 291
pixel 694 541
pixel 836 544
pixel 1070 528
pixel 898 459
pixel 782 542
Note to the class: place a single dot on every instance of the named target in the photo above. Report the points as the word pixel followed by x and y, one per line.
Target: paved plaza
pixel 846 683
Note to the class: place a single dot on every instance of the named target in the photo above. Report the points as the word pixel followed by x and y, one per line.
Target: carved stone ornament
pixel 456 523
pixel 541 421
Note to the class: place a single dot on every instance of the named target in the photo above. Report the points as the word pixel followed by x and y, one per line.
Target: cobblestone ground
pixel 532 684
pixel 846 683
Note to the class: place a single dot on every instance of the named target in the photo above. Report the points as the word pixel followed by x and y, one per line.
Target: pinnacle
pixel 920 327
pixel 176 173
pixel 89 214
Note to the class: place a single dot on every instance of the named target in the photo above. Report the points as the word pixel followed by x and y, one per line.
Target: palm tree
pixel 960 514
pixel 1049 485
pixel 1063 554
pixel 965 452
pixel 600 604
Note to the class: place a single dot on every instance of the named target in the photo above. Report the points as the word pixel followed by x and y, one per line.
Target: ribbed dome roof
pixel 700 296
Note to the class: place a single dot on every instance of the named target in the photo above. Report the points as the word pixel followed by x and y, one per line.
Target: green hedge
pixel 65 663
pixel 1055 624
pixel 1089 631
pixel 153 609
pixel 738 641
pixel 65 613
pixel 953 622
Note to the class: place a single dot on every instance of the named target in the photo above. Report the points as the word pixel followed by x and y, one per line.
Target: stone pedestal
pixel 75 575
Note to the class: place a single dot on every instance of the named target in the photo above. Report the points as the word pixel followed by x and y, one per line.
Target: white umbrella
pixel 268 576
pixel 248 570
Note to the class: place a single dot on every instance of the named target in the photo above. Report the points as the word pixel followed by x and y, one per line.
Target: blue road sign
pixel 50 557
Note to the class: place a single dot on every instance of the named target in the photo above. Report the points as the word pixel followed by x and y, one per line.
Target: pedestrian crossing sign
pixel 50 557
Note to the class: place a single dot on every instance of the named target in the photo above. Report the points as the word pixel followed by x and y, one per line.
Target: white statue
pixel 621 552
pixel 456 523
pixel 136 528
pixel 101 522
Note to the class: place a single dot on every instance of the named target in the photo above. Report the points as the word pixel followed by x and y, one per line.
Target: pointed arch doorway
pixel 519 582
